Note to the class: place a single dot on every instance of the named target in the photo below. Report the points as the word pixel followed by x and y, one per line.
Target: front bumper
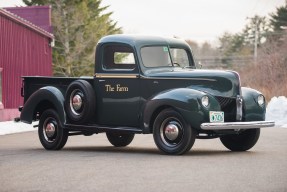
pixel 237 125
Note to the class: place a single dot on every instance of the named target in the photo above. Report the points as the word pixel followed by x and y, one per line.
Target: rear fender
pixel 48 94
pixel 184 100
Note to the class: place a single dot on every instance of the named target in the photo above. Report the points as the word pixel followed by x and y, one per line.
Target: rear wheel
pixel 120 139
pixel 172 134
pixel 52 136
pixel 242 141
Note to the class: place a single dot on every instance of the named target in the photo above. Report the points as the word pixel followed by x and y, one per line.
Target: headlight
pixel 205 101
pixel 261 100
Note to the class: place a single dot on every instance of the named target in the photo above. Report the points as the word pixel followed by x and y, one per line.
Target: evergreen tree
pixel 279 19
pixel 233 48
pixel 77 26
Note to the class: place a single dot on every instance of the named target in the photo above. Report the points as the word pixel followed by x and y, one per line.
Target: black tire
pixel 80 101
pixel 52 136
pixel 120 139
pixel 241 142
pixel 172 134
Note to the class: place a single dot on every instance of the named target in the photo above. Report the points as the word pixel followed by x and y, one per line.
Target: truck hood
pixel 214 82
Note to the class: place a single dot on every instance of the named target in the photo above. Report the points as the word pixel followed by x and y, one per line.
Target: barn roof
pixel 25 23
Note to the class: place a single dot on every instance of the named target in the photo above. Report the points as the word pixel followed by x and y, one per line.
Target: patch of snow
pixel 277 111
pixel 9 127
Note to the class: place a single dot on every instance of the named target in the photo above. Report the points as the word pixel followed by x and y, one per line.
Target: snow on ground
pixel 9 127
pixel 276 111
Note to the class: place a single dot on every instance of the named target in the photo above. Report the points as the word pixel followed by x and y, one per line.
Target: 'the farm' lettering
pixel 117 88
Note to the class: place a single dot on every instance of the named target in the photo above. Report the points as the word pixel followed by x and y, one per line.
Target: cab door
pixel 117 86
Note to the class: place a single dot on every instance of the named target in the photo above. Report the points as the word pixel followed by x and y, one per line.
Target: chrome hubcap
pixel 76 102
pixel 171 132
pixel 49 129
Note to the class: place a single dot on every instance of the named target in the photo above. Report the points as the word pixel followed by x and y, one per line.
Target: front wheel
pixel 242 141
pixel 52 136
pixel 172 134
pixel 120 139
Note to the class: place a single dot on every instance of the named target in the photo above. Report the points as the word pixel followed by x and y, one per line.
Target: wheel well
pixel 41 107
pixel 155 114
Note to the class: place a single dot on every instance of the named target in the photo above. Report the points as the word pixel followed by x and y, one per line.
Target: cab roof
pixel 139 41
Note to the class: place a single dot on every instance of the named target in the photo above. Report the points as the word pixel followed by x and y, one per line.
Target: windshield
pixel 162 56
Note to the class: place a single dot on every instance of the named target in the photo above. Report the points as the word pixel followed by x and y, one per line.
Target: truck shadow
pixel 197 152
pixel 111 149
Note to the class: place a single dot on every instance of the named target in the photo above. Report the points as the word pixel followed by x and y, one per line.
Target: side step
pixel 98 129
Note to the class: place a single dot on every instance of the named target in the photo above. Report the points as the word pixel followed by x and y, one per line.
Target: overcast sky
pixel 198 20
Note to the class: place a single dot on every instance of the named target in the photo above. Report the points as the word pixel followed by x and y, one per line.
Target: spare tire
pixel 80 101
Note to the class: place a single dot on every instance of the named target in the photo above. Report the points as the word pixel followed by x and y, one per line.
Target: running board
pixel 98 129
pixel 237 125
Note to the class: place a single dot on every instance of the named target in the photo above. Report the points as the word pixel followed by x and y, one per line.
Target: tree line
pixel 258 52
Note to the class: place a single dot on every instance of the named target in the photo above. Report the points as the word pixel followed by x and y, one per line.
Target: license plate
pixel 216 116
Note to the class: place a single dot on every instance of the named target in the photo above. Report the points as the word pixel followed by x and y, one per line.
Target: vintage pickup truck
pixel 146 85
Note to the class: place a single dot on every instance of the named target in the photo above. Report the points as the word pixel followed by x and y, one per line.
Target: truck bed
pixel 33 83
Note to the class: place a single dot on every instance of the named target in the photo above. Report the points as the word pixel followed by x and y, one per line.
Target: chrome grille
pixel 224 101
pixel 228 105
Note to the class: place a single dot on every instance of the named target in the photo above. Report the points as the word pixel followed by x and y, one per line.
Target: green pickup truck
pixel 146 85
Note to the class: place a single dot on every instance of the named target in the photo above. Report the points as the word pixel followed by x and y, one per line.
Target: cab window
pixel 179 57
pixel 118 57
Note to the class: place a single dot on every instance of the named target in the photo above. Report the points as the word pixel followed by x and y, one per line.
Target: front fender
pixel 185 100
pixel 252 110
pixel 49 94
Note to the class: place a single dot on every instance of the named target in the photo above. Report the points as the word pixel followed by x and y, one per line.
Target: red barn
pixel 38 15
pixel 25 50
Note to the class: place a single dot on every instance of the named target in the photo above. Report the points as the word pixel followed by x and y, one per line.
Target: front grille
pixel 228 105
pixel 224 101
